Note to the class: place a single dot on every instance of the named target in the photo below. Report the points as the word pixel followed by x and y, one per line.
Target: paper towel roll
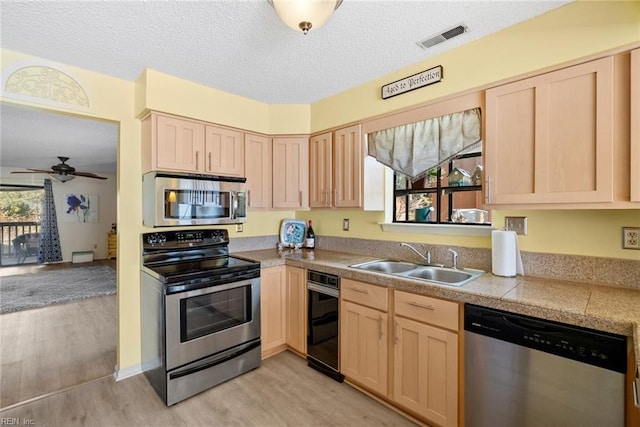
pixel 505 256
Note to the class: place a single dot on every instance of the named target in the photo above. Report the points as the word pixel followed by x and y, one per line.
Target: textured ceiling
pixel 242 47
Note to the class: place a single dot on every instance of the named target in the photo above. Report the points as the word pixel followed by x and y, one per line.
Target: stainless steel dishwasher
pixel 524 371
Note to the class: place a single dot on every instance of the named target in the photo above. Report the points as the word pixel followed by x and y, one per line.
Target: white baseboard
pixel 130 371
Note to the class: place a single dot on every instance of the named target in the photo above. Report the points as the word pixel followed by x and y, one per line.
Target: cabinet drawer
pixel 365 294
pixel 426 309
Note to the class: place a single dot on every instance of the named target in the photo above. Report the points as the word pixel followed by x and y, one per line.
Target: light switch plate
pixel 517 224
pixel 239 228
pixel 345 224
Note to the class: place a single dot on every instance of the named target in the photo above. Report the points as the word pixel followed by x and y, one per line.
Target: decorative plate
pixel 292 231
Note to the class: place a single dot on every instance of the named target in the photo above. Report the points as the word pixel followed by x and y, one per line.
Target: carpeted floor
pixel 28 291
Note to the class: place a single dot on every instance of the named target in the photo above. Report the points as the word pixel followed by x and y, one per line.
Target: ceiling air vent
pixel 443 36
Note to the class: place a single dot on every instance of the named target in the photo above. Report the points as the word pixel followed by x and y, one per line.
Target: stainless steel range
pixel 200 312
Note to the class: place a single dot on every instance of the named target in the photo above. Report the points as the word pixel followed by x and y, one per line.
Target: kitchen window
pixel 451 194
pixel 437 166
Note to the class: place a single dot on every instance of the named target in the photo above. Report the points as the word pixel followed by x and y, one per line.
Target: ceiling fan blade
pixel 87 175
pixel 33 171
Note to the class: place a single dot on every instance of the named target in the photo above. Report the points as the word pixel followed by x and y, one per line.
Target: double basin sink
pixel 434 274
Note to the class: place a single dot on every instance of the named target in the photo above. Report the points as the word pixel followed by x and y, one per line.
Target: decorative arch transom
pixel 48 84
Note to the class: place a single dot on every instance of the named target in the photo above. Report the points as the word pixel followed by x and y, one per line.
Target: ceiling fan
pixel 62 171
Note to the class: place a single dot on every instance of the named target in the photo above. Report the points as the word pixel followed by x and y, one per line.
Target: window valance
pixel 416 148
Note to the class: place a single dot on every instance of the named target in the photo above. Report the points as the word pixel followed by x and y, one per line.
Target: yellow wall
pixel 573 31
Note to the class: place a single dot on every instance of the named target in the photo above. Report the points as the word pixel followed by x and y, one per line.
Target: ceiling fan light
pixel 63 177
pixel 305 14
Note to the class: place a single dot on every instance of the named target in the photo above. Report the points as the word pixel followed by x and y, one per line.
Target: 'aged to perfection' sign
pixel 425 78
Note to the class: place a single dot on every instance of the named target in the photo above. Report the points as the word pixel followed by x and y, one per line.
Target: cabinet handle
pixel 362 291
pixel 425 306
pixel 380 325
pixel 197 166
pixel 248 198
pixel 487 195
pixel 300 198
pixel 209 160
pixel 326 198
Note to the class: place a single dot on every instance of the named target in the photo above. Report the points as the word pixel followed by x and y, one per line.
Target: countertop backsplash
pixel 599 270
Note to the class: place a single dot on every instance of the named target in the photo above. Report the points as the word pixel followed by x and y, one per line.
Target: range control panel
pixel 171 239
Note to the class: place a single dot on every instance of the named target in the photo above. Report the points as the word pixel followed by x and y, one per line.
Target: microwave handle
pixel 234 204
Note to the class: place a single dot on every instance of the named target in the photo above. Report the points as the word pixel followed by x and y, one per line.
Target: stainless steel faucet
pixel 426 257
pixel 454 256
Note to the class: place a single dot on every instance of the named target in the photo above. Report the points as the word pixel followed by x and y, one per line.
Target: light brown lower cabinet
pixel 273 300
pixel 296 309
pixel 425 353
pixel 364 346
pixel 283 309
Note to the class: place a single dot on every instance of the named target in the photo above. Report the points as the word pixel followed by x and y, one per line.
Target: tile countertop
pixel 605 308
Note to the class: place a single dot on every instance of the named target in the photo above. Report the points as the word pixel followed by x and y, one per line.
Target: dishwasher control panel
pixel 596 348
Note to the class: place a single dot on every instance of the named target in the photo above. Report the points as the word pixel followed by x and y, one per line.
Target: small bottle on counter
pixel 310 242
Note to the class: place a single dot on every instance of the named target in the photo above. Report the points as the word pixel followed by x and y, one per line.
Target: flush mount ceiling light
pixel 305 14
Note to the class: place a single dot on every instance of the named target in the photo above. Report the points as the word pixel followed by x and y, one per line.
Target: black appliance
pixel 200 312
pixel 323 326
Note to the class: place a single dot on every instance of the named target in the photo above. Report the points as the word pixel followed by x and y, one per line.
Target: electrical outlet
pixel 517 224
pixel 239 228
pixel 630 238
pixel 345 224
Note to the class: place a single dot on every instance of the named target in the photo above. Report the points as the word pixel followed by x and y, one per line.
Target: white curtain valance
pixel 416 148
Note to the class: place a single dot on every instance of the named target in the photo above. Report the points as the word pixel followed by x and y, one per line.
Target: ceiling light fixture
pixel 63 177
pixel 305 14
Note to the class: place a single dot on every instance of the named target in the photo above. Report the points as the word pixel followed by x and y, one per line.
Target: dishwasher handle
pixel 323 289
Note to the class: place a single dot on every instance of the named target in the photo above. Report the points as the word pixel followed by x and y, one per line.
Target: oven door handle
pixel 323 289
pixel 216 360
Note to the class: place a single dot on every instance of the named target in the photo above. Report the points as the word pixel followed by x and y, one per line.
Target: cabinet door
pixel 347 167
pixel 296 309
pixel 290 172
pixel 426 371
pixel 179 144
pixel 257 152
pixel 224 149
pixel 549 138
pixel 320 170
pixel 272 309
pixel 635 125
pixel 364 346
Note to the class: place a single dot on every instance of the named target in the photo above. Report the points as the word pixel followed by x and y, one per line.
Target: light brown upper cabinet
pixel 336 168
pixel 567 138
pixel 635 125
pixel 291 172
pixel 224 151
pixel 320 165
pixel 172 144
pixel 549 138
pixel 257 166
pixel 182 145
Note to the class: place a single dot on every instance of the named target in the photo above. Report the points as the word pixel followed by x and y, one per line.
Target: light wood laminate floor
pixel 52 348
pixel 284 391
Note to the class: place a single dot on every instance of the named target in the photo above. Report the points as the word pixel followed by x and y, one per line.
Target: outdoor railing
pixel 8 232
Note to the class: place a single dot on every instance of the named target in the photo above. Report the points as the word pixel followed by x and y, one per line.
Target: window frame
pixel 440 193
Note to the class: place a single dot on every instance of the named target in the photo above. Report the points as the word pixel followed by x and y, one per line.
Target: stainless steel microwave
pixel 178 199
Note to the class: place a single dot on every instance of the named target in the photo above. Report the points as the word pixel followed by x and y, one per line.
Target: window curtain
pixel 416 148
pixel 49 249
